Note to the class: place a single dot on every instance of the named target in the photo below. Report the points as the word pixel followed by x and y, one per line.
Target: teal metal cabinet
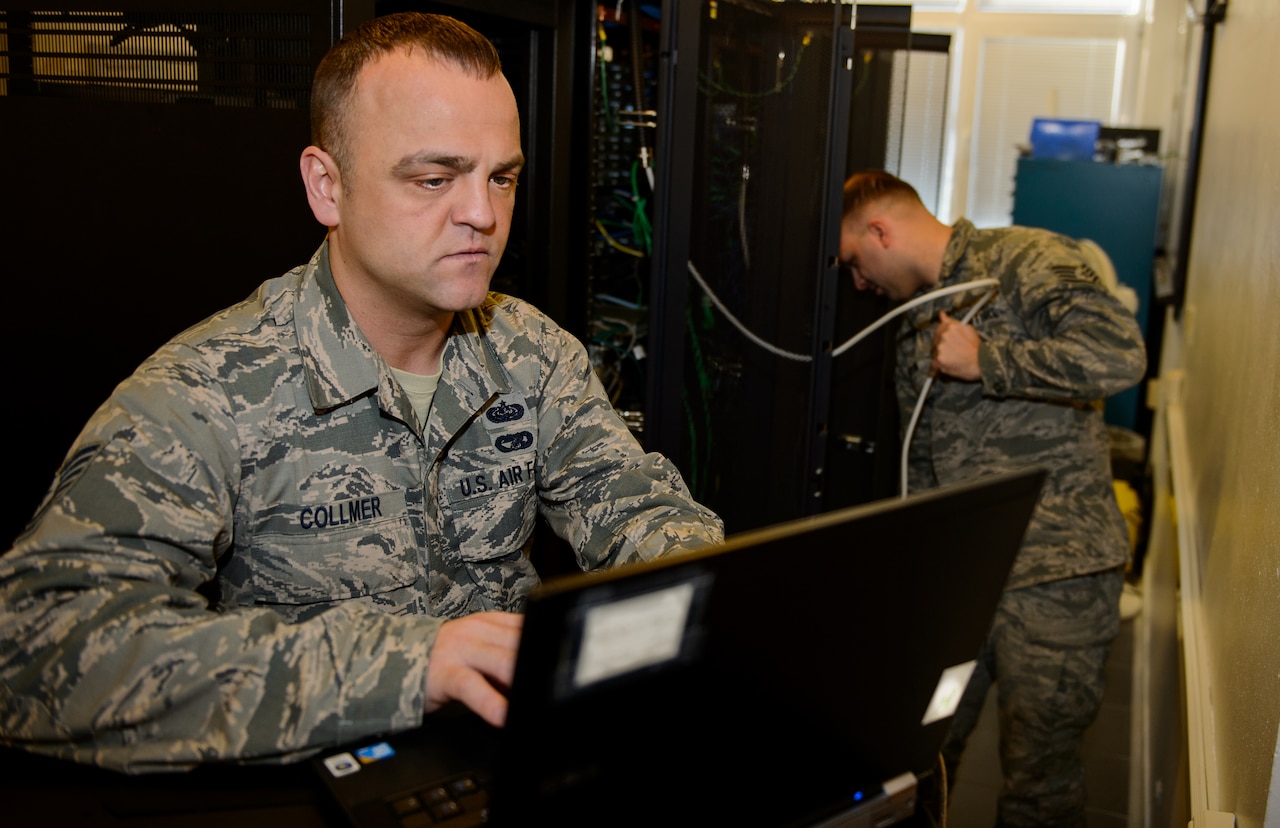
pixel 1118 207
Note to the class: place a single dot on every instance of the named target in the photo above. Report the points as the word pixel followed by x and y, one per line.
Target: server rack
pixel 752 141
pixel 150 150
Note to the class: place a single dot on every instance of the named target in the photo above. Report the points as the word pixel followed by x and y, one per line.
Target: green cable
pixel 640 219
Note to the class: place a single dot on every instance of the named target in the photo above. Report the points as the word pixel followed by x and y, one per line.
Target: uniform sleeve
pixel 1075 343
pixel 110 652
pixel 598 488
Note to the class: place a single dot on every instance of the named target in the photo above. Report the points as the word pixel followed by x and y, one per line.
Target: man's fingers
pixel 494 654
pixel 479 695
pixel 471 655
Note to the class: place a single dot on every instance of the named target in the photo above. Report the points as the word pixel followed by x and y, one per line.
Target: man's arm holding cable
pixel 1080 343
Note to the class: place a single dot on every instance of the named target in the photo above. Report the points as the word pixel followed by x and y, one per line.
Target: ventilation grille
pixel 244 60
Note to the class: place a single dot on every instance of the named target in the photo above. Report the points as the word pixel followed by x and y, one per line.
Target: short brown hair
pixel 334 84
pixel 868 186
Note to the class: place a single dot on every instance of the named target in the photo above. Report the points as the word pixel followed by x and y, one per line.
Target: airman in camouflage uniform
pixel 268 459
pixel 254 546
pixel 1044 348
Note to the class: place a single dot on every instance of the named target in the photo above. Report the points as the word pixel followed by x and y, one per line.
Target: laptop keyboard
pixel 461 802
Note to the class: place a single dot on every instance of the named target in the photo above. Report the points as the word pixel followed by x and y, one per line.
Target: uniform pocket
pixel 488 512
pixel 1079 612
pixel 345 549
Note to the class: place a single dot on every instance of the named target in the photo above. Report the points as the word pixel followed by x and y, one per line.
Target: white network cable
pixel 862 334
pixel 715 300
pixel 856 338
pixel 928 384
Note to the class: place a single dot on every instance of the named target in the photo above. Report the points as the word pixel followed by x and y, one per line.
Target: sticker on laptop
pixel 632 633
pixel 341 764
pixel 946 696
pixel 372 753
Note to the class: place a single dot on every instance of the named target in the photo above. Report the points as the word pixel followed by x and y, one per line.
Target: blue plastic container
pixel 1064 140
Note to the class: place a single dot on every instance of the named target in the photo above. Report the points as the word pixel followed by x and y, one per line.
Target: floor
pixel 1106 754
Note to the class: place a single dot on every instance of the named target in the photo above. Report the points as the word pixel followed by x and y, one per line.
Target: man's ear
pixel 321 180
pixel 879 230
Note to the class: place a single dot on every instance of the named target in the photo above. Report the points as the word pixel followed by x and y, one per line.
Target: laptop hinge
pixel 895 803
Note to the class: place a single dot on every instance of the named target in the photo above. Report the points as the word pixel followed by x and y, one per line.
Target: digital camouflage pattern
pixel 250 548
pixel 1050 643
pixel 1054 342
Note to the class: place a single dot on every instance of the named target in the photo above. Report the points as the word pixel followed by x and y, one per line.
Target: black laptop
pixel 799 675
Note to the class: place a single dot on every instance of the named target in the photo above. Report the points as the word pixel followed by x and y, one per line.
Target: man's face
pixel 424 203
pixel 863 249
pixel 852 243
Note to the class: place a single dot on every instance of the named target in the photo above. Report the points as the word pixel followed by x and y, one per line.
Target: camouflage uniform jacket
pixel 252 545
pixel 1054 341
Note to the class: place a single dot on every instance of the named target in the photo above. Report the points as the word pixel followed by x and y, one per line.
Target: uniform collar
pixel 471 347
pixel 472 375
pixel 341 365
pixel 961 232
pixel 954 271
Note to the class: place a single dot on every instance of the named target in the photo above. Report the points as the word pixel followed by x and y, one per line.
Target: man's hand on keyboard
pixel 473 657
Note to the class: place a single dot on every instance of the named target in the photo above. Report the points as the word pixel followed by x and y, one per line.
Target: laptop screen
pixel 779 678
pixel 793 676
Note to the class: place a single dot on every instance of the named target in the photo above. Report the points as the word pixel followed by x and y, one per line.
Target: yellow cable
pixel 630 251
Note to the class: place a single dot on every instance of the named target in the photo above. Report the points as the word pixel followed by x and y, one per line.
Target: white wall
pixel 1149 73
pixel 1231 396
